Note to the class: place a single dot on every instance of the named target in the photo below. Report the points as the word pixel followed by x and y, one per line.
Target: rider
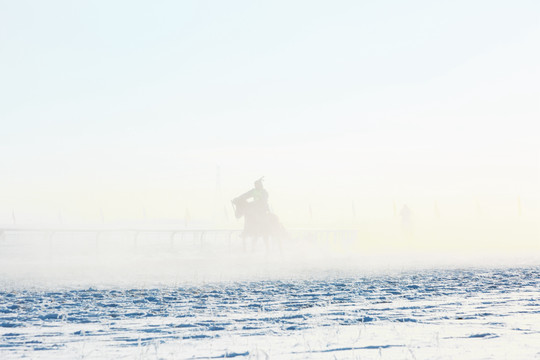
pixel 260 197
pixel 257 199
pixel 259 222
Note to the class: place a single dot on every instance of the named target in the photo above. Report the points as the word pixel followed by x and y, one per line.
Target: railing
pixel 169 239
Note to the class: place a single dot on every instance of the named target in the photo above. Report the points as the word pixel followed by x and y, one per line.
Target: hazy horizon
pixel 129 113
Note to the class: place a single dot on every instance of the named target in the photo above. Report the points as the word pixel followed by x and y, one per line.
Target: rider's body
pixel 257 198
pixel 254 206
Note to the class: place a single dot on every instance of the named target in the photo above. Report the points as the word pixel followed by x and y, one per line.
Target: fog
pixel 348 206
pixel 383 132
pixel 277 180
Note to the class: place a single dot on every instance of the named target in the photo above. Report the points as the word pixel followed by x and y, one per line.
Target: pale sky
pixel 127 107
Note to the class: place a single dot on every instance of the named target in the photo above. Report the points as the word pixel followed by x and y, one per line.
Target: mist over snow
pixel 278 180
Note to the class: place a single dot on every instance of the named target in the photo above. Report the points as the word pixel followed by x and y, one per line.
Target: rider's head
pixel 258 183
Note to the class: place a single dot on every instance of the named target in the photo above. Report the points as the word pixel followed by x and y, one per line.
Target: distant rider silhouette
pixel 259 222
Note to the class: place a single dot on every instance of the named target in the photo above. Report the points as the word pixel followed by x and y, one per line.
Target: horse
pixel 258 223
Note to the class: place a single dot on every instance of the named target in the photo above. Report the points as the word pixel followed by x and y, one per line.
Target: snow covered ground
pixel 163 305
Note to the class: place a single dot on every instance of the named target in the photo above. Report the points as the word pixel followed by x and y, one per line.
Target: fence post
pixel 172 240
pixel 202 239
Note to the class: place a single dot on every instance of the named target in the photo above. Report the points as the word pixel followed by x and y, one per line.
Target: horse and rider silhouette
pixel 259 221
